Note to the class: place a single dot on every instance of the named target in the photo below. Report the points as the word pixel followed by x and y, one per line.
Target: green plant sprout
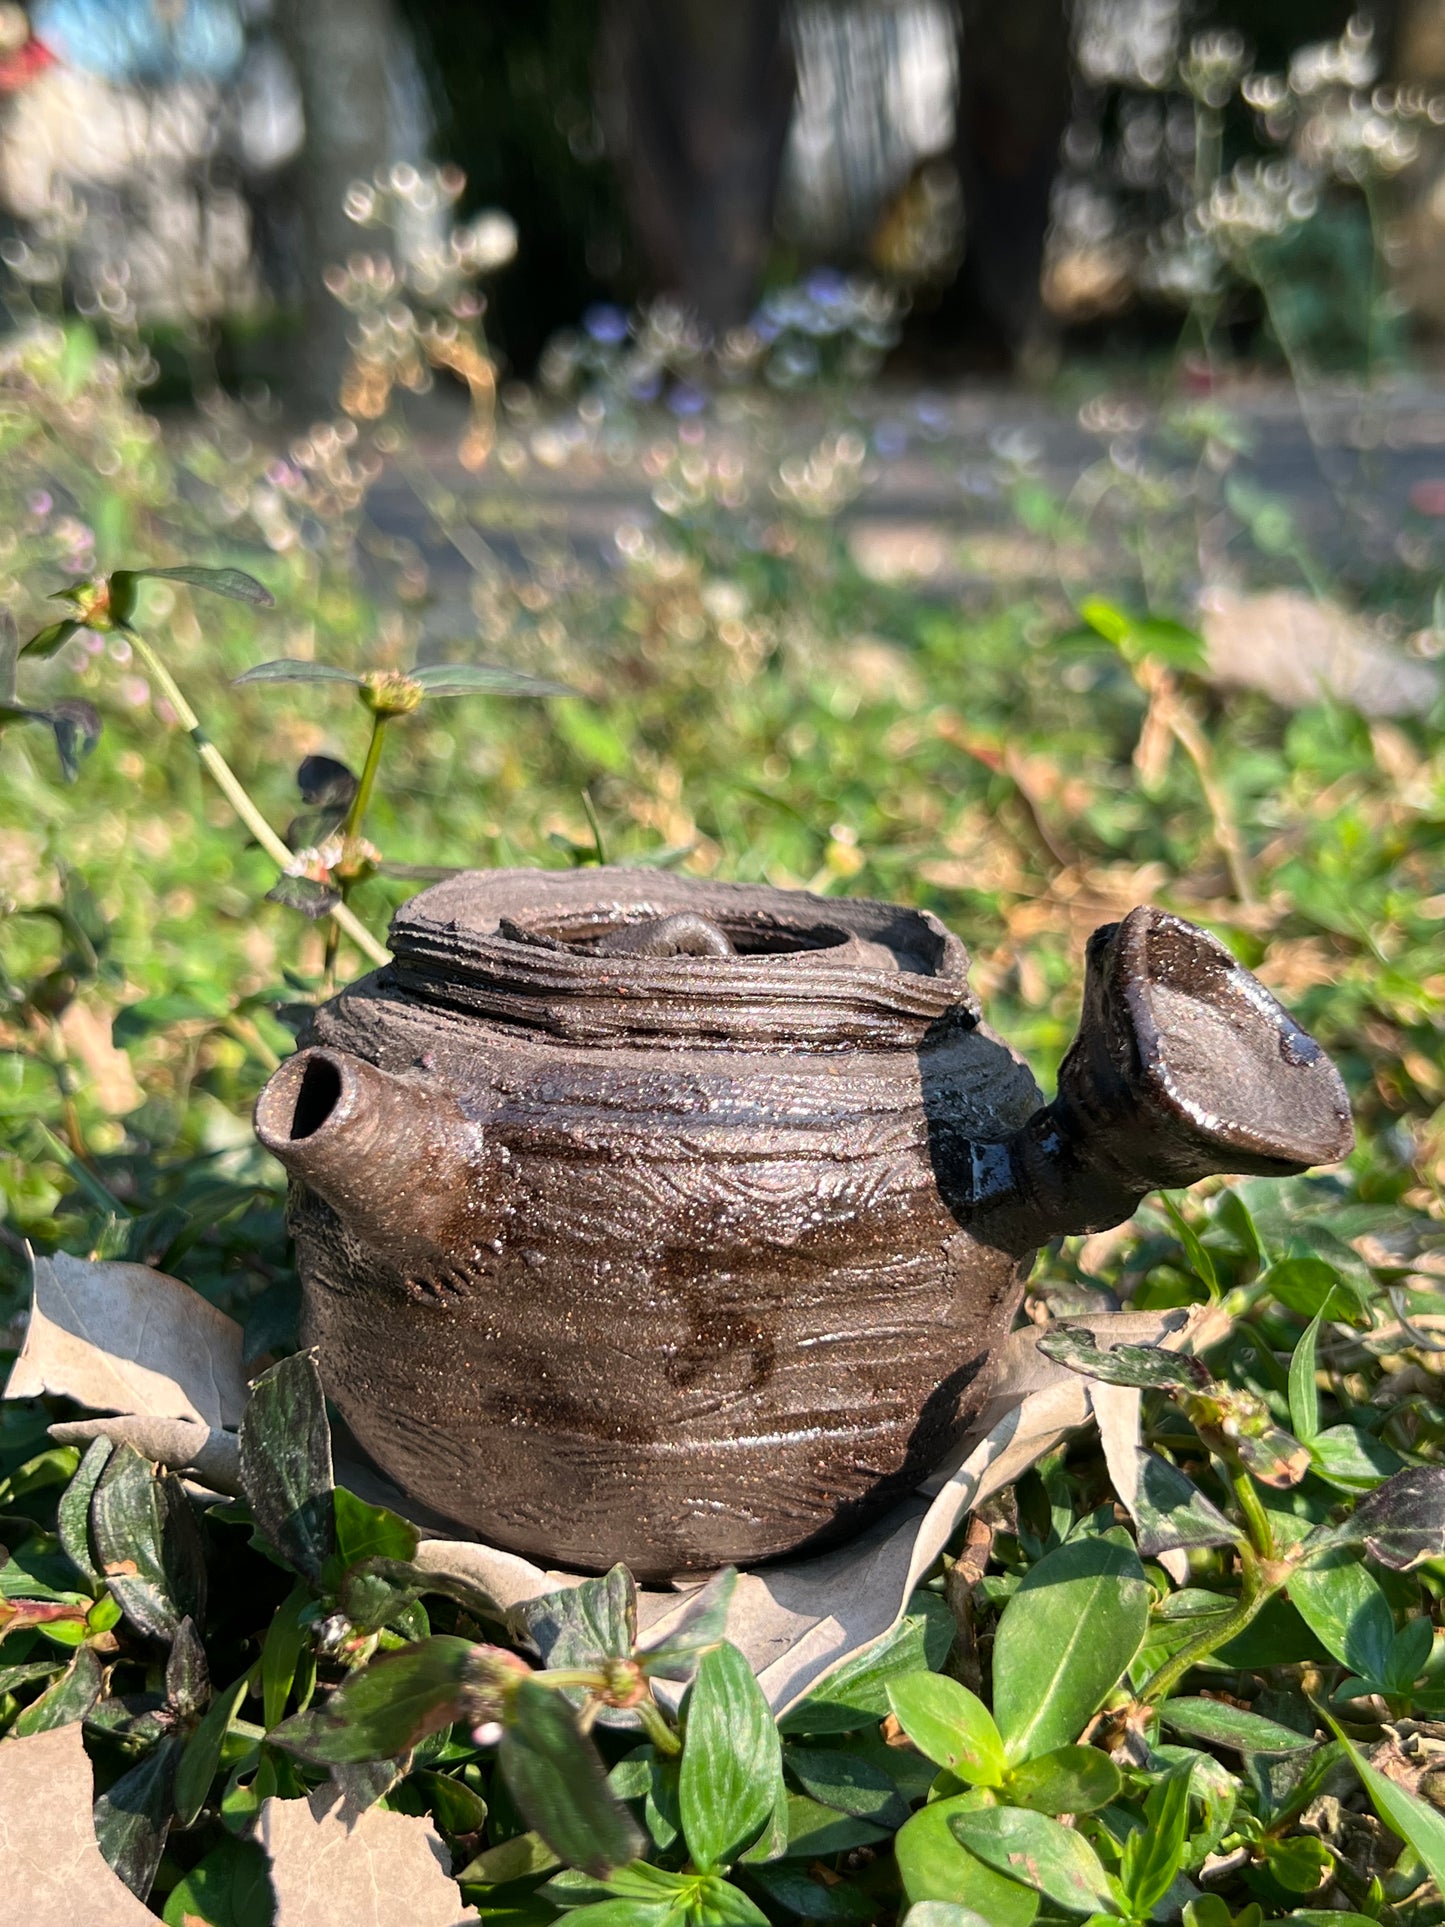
pixel 108 603
pixel 335 857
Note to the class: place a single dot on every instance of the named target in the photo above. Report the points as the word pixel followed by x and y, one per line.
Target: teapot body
pixel 690 1294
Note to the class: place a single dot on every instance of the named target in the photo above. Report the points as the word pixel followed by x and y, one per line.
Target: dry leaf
pixel 211 1457
pixel 330 1864
pixel 1297 648
pixel 1116 1411
pixel 124 1338
pixel 48 1852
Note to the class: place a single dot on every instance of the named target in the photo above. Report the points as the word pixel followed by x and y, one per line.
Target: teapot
pixel 647 1218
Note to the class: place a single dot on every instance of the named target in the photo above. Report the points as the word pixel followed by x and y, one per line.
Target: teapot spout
pixel 1184 1065
pixel 394 1160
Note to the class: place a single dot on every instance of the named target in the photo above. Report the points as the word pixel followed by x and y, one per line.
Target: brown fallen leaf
pixel 207 1454
pixel 123 1338
pixel 375 1869
pixel 1298 648
pixel 50 1865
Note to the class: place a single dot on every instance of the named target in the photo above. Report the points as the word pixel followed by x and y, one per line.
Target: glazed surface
pixel 696 1305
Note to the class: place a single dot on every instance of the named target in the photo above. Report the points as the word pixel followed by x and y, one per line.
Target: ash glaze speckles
pixel 690 1257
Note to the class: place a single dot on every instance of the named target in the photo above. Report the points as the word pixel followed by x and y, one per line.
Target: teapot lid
pixel 540 949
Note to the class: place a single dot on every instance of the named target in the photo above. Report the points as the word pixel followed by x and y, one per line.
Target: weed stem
pixel 231 787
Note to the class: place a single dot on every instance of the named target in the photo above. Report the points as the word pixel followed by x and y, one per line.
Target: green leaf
pixel 716 1902
pixel 235 584
pixel 732 1767
pixel 579 1626
pixel 1200 1262
pixel 1142 1366
pixel 1219 1724
pixel 849 1783
pixel 74 723
pixel 1304 1398
pixel 68 1700
pixel 1035 1849
pixel 483 679
pixel 188 1676
pixel 1065 1639
pixel 383 1592
pixel 26 1672
pixel 856 1694
pixel 1329 1917
pixel 53 637
pixel 519 1858
pixel 703 1626
pixel 951 1725
pixel 291 669
pixel 1401 1523
pixel 133 1816
pixel 1171 1512
pixel 626 1913
pixel 151 1014
pixel 1234 1215
pixel 817 1832
pixel 1105 618
pixel 933 1865
pixel 1345 1609
pixel 1071 1779
pixel 284 1644
pixel 1353 1459
pixel 201 1760
pixel 286 1463
pixel 368 1532
pixel 383 1710
pixel 1153 1855
pixel 1404 1813
pixel 128 1518
pixel 553 1773
pixel 796 1891
pixel 942 1913
pixel 1408 1656
pixel 1298 1864
pixel 229 1888
pixel 456 1807
pixel 1312 1287
pixel 72 1522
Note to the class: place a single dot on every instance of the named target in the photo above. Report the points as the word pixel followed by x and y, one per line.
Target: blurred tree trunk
pixel 1015 95
pixel 697 98
pixel 344 52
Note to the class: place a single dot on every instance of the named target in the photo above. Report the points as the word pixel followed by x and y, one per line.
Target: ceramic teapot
pixel 646 1218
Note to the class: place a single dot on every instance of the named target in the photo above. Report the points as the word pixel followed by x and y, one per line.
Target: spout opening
pixel 318 1096
pixel 1224 1054
pixel 300 1101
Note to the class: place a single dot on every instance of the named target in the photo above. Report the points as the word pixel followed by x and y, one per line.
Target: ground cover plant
pixel 1213 1690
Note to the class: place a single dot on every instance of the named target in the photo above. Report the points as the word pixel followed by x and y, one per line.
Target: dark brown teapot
pixel 669 1221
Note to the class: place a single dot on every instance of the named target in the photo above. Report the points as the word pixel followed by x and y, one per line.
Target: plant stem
pixel 95 1188
pixel 352 826
pixel 1256 1519
pixel 1159 687
pixel 655 1726
pixel 1226 1627
pixel 58 1058
pixel 235 794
